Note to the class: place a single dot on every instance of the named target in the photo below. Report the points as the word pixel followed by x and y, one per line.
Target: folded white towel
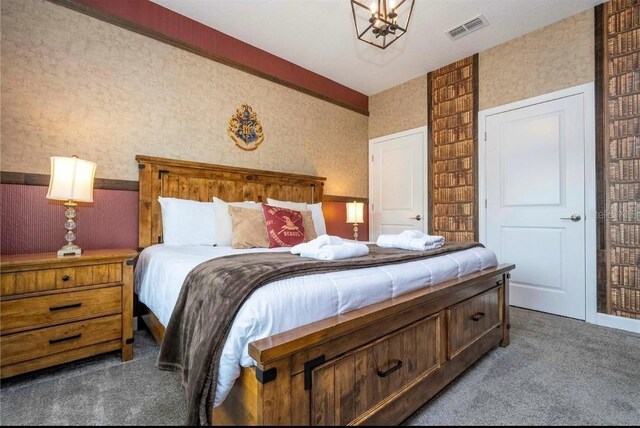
pixel 317 243
pixel 345 250
pixel 411 240
pixel 400 240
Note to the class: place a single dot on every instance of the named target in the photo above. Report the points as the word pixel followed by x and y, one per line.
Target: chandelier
pixel 381 22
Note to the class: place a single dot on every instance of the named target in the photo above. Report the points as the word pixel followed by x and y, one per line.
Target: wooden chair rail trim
pixel 287 343
pixel 34 179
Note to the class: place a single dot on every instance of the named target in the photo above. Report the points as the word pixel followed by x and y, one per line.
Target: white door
pixel 535 190
pixel 397 183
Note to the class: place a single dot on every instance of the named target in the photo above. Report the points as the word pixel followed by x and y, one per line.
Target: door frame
pixel 587 90
pixel 425 169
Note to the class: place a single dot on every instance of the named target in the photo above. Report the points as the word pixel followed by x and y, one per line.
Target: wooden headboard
pixel 202 181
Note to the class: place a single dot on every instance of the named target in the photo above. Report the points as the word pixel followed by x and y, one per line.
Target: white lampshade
pixel 71 179
pixel 355 212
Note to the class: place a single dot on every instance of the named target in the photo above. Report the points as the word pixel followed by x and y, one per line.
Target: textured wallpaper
pixel 558 56
pixel 399 108
pixel 72 84
pixel 555 57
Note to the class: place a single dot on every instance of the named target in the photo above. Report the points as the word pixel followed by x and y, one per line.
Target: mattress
pixel 283 305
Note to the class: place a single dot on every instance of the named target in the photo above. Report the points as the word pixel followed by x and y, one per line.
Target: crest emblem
pixel 245 128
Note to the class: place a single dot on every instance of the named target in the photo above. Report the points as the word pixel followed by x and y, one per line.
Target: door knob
pixel 418 217
pixel 574 217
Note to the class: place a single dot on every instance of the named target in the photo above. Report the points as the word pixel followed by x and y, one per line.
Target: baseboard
pixel 621 323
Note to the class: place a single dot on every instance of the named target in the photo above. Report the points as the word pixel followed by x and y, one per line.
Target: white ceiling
pixel 319 34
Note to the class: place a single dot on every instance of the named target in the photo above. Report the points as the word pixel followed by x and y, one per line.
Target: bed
pixel 354 358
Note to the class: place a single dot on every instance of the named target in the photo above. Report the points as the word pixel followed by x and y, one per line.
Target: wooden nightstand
pixel 59 309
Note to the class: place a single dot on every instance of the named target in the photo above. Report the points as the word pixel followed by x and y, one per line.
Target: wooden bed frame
pixel 375 365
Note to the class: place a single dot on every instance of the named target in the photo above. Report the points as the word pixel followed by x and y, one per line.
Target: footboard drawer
pixel 472 318
pixel 348 388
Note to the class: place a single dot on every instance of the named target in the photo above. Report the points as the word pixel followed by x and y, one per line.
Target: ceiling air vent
pixel 472 25
pixel 457 32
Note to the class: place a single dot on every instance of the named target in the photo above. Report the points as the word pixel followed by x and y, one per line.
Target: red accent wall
pixel 152 17
pixel 335 215
pixel 32 224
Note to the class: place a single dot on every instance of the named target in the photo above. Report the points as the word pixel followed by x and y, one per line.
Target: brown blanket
pixel 214 291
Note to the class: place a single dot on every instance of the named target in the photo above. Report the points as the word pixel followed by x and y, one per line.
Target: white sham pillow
pixel 186 222
pixel 318 218
pixel 295 206
pixel 316 212
pixel 224 226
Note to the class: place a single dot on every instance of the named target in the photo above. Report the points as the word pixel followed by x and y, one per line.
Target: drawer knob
pixel 398 366
pixel 499 282
pixel 65 277
pixel 478 316
pixel 65 339
pixel 59 308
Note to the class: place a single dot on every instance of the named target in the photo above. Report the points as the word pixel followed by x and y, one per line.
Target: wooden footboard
pixel 375 365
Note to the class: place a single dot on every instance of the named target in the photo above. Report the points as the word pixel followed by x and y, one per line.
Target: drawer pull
pixel 398 366
pixel 59 308
pixel 64 339
pixel 478 316
pixel 65 277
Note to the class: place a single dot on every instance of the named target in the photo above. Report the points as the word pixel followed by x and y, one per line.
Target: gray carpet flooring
pixel 557 371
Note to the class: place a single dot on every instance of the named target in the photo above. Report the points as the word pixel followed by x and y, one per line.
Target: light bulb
pixel 373 8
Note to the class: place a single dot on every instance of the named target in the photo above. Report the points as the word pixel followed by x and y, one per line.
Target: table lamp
pixel 71 181
pixel 355 213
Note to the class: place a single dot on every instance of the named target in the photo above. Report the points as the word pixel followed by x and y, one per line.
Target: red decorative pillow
pixel 284 226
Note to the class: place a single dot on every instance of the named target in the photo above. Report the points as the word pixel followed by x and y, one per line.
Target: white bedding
pixel 290 303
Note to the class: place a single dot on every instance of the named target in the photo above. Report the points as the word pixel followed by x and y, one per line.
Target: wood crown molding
pixel 152 20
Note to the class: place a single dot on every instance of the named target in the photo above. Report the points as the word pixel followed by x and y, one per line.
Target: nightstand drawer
pixel 31 281
pixel 34 312
pixel 33 344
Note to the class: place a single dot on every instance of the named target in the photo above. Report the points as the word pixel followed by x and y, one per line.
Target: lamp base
pixel 355 231
pixel 69 250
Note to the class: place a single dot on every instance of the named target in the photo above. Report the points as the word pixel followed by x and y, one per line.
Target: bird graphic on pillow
pixel 288 226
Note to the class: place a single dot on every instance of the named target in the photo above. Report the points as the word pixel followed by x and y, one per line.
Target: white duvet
pixel 290 303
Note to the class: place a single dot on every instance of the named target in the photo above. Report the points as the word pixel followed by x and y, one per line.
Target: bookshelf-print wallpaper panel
pixel 622 79
pixel 453 107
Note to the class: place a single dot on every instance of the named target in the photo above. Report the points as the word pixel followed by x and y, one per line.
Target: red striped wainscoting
pixel 335 215
pixel 33 224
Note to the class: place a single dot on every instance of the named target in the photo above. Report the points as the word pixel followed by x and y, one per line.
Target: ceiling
pixel 319 34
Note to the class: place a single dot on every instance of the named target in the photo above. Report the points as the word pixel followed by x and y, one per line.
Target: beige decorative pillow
pixel 309 228
pixel 249 228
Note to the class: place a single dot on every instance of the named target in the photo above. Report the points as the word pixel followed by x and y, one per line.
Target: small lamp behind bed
pixel 355 215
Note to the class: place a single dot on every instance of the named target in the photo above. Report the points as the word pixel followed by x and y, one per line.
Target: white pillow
pixel 186 222
pixel 295 206
pixel 224 226
pixel 316 212
pixel 318 218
